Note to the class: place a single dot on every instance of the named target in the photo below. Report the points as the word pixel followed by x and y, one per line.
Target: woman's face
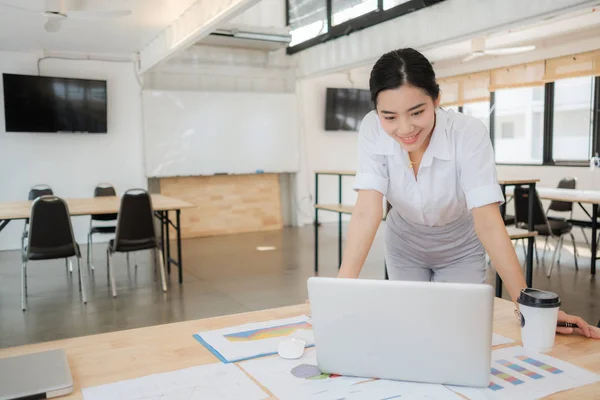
pixel 407 114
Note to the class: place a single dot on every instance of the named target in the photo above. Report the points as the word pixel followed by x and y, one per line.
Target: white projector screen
pixel 207 133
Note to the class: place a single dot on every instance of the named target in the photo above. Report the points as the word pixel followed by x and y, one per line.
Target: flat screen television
pixel 345 108
pixel 49 104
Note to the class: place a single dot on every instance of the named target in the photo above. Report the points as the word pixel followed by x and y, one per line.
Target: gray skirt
pixel 449 253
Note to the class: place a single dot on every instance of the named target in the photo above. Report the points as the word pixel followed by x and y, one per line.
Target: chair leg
pixel 558 245
pixel 91 253
pixel 112 275
pixel 81 285
pixel 127 260
pixel 574 251
pixel 23 285
pixel 560 249
pixel 107 267
pixel 545 245
pixel 587 242
pixel 537 257
pixel 161 265
pixel 68 265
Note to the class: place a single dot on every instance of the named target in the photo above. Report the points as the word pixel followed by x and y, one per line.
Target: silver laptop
pixel 39 375
pixel 411 331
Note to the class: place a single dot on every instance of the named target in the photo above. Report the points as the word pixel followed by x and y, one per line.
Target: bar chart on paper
pixel 254 340
pixel 302 379
pixel 518 374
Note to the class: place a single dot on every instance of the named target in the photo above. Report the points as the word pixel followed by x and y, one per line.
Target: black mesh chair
pixel 564 207
pixel 101 190
pixel 135 231
pixel 50 237
pixel 544 227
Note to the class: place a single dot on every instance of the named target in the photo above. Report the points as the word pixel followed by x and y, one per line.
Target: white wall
pixel 323 150
pixel 73 164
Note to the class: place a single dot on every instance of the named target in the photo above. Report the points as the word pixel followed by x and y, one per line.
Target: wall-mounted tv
pixel 345 108
pixel 50 104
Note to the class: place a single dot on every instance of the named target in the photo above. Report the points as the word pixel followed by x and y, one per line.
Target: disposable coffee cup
pixel 539 315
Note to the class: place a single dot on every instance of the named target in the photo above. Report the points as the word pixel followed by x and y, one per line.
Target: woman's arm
pixel 364 222
pixel 492 234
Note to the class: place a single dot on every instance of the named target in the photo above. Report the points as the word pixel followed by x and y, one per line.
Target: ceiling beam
pixel 197 22
pixel 445 23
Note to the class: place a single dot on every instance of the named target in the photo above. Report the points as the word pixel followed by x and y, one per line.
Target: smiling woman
pixel 436 169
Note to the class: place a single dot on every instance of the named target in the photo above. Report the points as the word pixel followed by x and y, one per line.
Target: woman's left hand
pixel 584 329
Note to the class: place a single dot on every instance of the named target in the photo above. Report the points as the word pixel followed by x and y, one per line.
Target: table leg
pixel 594 238
pixel 503 214
pixel 316 223
pixel 168 241
pixel 162 241
pixel 3 223
pixel 530 240
pixel 529 271
pixel 340 222
pixel 179 259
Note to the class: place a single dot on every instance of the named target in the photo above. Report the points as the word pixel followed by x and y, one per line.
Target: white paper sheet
pixel 301 379
pixel 206 382
pixel 498 340
pixel 518 374
pixel 253 340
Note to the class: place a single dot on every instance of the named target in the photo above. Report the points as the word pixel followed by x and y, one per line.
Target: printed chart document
pixel 518 374
pixel 206 382
pixel 254 340
pixel 498 340
pixel 302 379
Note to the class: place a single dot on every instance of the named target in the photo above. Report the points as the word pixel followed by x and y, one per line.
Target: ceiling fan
pixel 55 15
pixel 478 50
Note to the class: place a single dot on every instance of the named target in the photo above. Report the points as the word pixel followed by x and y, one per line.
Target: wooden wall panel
pixel 227 204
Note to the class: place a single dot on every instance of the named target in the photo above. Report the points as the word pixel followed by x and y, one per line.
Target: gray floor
pixel 222 275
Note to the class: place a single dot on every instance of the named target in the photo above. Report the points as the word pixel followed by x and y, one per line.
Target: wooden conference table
pixel 112 357
pixel 108 205
pixel 580 197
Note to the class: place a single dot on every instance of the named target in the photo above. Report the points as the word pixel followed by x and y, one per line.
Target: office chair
pixel 101 190
pixel 35 192
pixel 564 207
pixel 544 227
pixel 135 231
pixel 50 237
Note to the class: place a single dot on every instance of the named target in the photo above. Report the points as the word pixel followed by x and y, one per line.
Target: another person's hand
pixel 583 327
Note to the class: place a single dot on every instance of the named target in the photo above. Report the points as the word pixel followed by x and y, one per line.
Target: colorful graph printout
pixel 518 368
pixel 267 333
pixel 517 374
pixel 254 340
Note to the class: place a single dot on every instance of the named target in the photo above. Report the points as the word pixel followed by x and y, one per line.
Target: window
pixel 345 10
pixel 519 125
pixel 480 110
pixel 387 4
pixel 307 19
pixel 313 22
pixel 572 122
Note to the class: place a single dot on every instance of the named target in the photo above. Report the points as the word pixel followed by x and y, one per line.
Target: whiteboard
pixel 190 133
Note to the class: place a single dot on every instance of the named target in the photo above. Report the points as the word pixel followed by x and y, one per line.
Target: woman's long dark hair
pixel 400 67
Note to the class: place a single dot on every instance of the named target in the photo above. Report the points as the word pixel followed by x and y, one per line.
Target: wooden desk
pixel 581 197
pixel 108 205
pixel 112 357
